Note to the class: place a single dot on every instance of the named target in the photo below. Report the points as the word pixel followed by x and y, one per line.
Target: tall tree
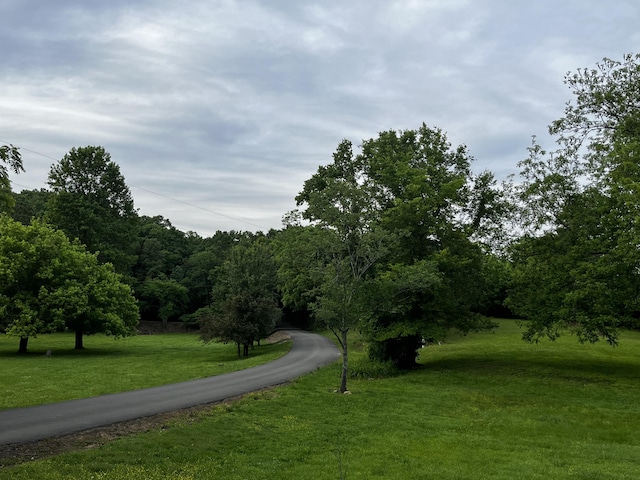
pixel 406 203
pixel 337 200
pixel 428 196
pixel 10 160
pixel 577 266
pixel 92 203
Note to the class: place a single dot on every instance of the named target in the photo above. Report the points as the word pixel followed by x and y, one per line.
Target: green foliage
pixel 430 200
pixel 577 268
pixel 484 406
pixel 48 283
pixel 91 202
pixel 10 160
pixel 245 307
pixel 301 255
pixel 338 201
pixel 198 271
pixel 162 248
pixel 163 298
pixel 391 248
pixel 30 204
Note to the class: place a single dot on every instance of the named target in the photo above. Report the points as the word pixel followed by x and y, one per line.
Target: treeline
pixel 397 238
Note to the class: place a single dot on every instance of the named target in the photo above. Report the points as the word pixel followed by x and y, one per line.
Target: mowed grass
pixel 109 366
pixel 484 406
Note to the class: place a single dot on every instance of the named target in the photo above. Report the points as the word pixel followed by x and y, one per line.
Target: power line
pixel 148 191
pixel 198 207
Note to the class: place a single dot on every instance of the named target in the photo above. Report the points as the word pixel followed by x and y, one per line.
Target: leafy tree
pixel 577 266
pixel 245 307
pixel 429 198
pixel 163 298
pixel 92 203
pixel 338 201
pixel 96 300
pixel 10 160
pixel 198 272
pixel 301 252
pixel 407 203
pixel 48 283
pixel 30 204
pixel 162 248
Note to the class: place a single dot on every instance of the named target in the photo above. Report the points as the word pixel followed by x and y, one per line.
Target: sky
pixel 217 111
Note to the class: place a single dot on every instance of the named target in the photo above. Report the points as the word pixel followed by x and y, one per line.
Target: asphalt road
pixel 308 353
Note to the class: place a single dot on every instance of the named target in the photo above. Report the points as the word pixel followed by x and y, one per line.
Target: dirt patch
pixel 278 336
pixel 15 454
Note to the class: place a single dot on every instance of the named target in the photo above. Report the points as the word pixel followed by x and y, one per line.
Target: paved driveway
pixel 308 353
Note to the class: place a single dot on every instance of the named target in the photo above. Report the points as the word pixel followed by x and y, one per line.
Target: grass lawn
pixel 485 406
pixel 109 366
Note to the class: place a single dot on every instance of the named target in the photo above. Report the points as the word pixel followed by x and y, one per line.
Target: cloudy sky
pixel 217 111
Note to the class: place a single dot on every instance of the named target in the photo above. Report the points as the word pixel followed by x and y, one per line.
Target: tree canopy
pixel 91 202
pixel 245 303
pixel 48 283
pixel 391 227
pixel 10 160
pixel 576 267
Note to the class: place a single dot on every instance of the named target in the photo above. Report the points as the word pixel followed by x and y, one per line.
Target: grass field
pixel 485 406
pixel 109 366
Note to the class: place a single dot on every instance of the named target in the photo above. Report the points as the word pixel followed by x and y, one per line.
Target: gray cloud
pixel 223 108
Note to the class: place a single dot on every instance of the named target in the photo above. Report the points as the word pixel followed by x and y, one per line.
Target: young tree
pixel 91 202
pixel 95 300
pixel 577 267
pixel 338 201
pixel 245 307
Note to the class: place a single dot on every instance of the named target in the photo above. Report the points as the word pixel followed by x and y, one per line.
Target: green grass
pixel 109 366
pixel 485 406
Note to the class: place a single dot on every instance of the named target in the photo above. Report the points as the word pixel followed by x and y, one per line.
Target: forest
pixel 397 238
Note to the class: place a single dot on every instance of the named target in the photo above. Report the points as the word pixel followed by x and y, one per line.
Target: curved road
pixel 308 353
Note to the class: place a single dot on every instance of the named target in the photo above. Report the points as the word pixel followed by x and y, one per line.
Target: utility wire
pixel 146 190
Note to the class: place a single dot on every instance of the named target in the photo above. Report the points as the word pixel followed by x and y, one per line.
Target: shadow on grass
pixel 583 370
pixel 87 352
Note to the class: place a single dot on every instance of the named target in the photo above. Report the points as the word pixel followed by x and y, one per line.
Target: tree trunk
pixel 238 344
pixel 23 344
pixel 79 345
pixel 345 362
pixel 246 350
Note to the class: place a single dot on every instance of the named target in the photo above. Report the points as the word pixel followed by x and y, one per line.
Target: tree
pixel 428 197
pixel 96 300
pixel 92 203
pixel 407 203
pixel 161 249
pixel 301 253
pixel 48 283
pixel 577 266
pixel 245 306
pixel 11 160
pixel 197 272
pixel 163 298
pixel 30 204
pixel 338 201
